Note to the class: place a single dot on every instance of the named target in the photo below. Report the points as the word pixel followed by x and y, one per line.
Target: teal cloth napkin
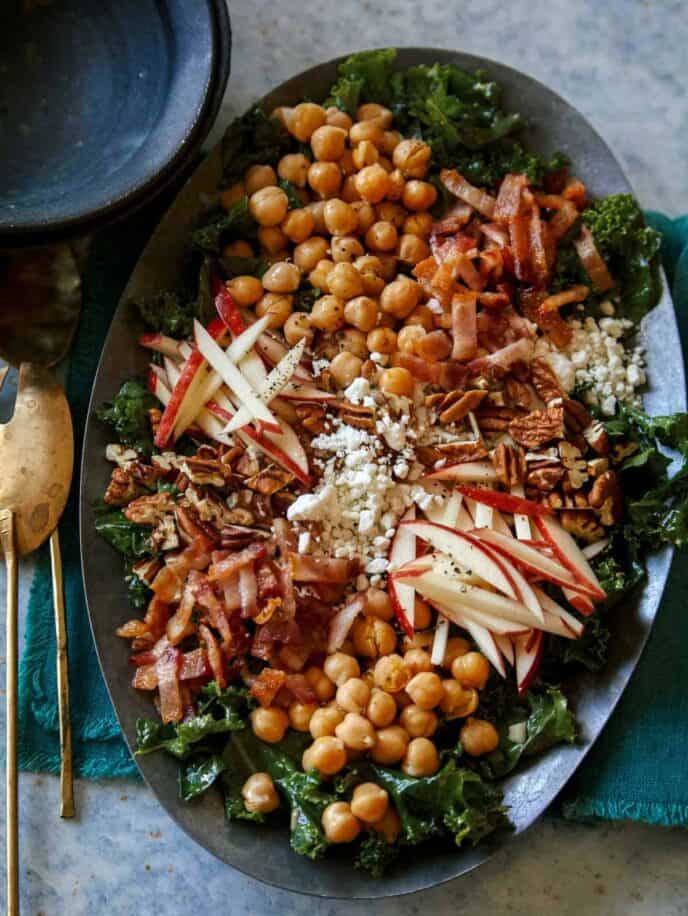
pixel 636 768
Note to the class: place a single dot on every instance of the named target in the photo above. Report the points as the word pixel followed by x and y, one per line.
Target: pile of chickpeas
pixel 382 699
pixel 365 209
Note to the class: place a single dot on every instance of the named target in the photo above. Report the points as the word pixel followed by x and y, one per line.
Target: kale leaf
pixel 250 140
pixel 375 855
pixel 131 540
pixel 223 226
pixel 196 776
pixel 137 590
pixel 166 312
pixel 127 414
pixel 363 77
pixel 295 202
pixel 236 266
pixel 306 296
pixel 545 720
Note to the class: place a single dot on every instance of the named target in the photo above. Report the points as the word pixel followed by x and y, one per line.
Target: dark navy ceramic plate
pixel 101 104
pixel 263 852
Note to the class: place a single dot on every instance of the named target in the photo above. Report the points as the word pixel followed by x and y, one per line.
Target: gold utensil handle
pixel 12 830
pixel 66 768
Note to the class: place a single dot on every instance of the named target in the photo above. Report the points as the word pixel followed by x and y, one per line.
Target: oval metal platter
pixel 263 852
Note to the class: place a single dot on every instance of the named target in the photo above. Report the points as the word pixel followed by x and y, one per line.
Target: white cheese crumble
pixel 597 360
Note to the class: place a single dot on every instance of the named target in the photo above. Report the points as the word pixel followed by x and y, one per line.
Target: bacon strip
pixel 592 261
pixel 550 323
pixel 167 673
pixel 509 199
pixel 178 624
pixel 214 655
pixel 558 300
pixel 464 326
pixel 520 249
pixel 320 569
pixel 248 591
pixel 519 351
pixel 454 219
pixel 538 253
pixel 458 186
pixel 225 569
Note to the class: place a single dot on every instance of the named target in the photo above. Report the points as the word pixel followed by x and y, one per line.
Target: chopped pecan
pixel 545 479
pixel 121 489
pixel 120 454
pixel 451 452
pixel 154 418
pixel 597 466
pixel 190 525
pixel 597 438
pixel 147 569
pixel 496 419
pixel 247 464
pixel 576 416
pixel 607 498
pixel 269 480
pixel 148 510
pixel 538 427
pixel 232 455
pixel 510 463
pixel 164 536
pixel 581 524
pixel 463 406
pixel 240 516
pixel 356 415
pixel 312 417
pixel 576 466
pixel 545 381
pixel 518 393
pixel 208 472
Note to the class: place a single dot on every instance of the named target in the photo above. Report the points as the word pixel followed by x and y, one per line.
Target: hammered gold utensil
pixel 37 458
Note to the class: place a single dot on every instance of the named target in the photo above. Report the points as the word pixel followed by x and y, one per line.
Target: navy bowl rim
pixel 39 233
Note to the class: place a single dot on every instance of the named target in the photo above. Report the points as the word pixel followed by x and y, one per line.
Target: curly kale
pixel 376 856
pixel 253 139
pixel 363 77
pixel 224 226
pixel 129 539
pixel 127 414
pixel 167 312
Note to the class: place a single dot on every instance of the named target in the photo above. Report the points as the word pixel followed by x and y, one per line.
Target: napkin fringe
pixel 589 808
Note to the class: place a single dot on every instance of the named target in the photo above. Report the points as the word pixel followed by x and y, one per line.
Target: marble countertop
pixel 621 64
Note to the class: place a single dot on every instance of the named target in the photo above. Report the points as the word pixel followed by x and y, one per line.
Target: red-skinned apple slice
pixel 524 590
pixel 402 551
pixel 227 308
pixel 505 502
pixel 301 391
pixel 505 646
pixel 452 513
pixel 478 514
pixel 466 472
pixel 528 652
pixel 531 560
pixel 460 612
pixel 521 522
pixel 467 552
pixel 439 642
pixel 553 609
pixel 205 421
pixel 582 603
pixel 161 343
pixel 485 641
pixel 273 350
pixel 570 555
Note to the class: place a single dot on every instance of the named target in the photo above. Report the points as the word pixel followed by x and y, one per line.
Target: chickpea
pixel 369 802
pixel 381 710
pixel 373 637
pixel 230 196
pixel 365 213
pixel 328 314
pixel 419 195
pixel 259 793
pixel 412 249
pixel 300 715
pixel 294 168
pixel 353 341
pixel 389 827
pixel 340 668
pixel 345 281
pixel 478 737
pixel 389 266
pixel 371 183
pixel 269 723
pixel 282 277
pixel 390 745
pixel 366 130
pixel 268 206
pixel 454 701
pixel 419 723
pixel 391 674
pixel 349 192
pixel 456 646
pixel 425 689
pixel 317 210
pixel 378 604
pixel 245 290
pixel 282 114
pixel 371 111
pixel 412 157
pixel 238 249
pixel 259 177
pixel 408 337
pixel 361 312
pixel 325 179
pixel 419 640
pixel 421 758
pixel 390 140
pixel 366 153
pixel 356 732
pixel 320 683
pixel 272 240
pixel 353 695
pixel 471 670
pixel 400 297
pixel 298 225
pixel 327 755
pixel 319 276
pixel 338 118
pixel 382 340
pixel 340 218
pixel 403 700
pixel 434 346
pixel 328 143
pixel 345 248
pixel 339 823
pixel 347 647
pixel 309 252
pixel 397 381
pixel 382 236
pixel 422 316
pixel 344 368
pixel 346 163
pixel 417 660
pixel 325 720
pixel 390 212
pixel 395 186
pixel 278 306
pixel 419 224
pixel 305 119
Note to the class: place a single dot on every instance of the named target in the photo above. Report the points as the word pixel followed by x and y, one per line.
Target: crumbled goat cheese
pixel 358 390
pixel 597 360
pixel 319 366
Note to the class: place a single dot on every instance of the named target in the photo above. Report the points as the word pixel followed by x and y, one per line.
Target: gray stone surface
pixel 622 63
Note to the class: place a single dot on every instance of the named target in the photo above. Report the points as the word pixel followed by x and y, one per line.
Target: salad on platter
pixel 389 472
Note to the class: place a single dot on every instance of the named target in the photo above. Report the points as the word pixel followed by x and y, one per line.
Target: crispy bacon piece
pixel 565 213
pixel 466 270
pixel 248 591
pixel 300 688
pixel 167 673
pixel 550 323
pixel 420 369
pixel 225 569
pixel 268 585
pixel 509 198
pixel 575 192
pixel 342 622
pixel 501 360
pixel 193 665
pixel 520 249
pixel 444 248
pixel 167 585
pixel 454 219
pixel 179 625
pixel 230 592
pixel 464 327
pixel 286 543
pixel 592 261
pixel 494 300
pixel 305 568
pixel 538 251
pixel 214 655
pixel 145 678
pixel 267 685
pixel 496 234
pixel 458 186
pixel 558 300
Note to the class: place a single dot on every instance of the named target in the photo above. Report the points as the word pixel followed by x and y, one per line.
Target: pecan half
pixel 356 415
pixel 312 417
pixel 510 463
pixel 208 472
pixel 519 394
pixel 607 498
pixel 462 407
pixel 164 536
pixel 148 510
pixel 269 480
pixel 545 381
pixel 545 479
pixel 247 465
pixel 121 489
pixel 576 466
pixel 597 438
pixel 538 427
pixel 496 419
pixel 451 452
pixel 581 524
pixel 576 416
